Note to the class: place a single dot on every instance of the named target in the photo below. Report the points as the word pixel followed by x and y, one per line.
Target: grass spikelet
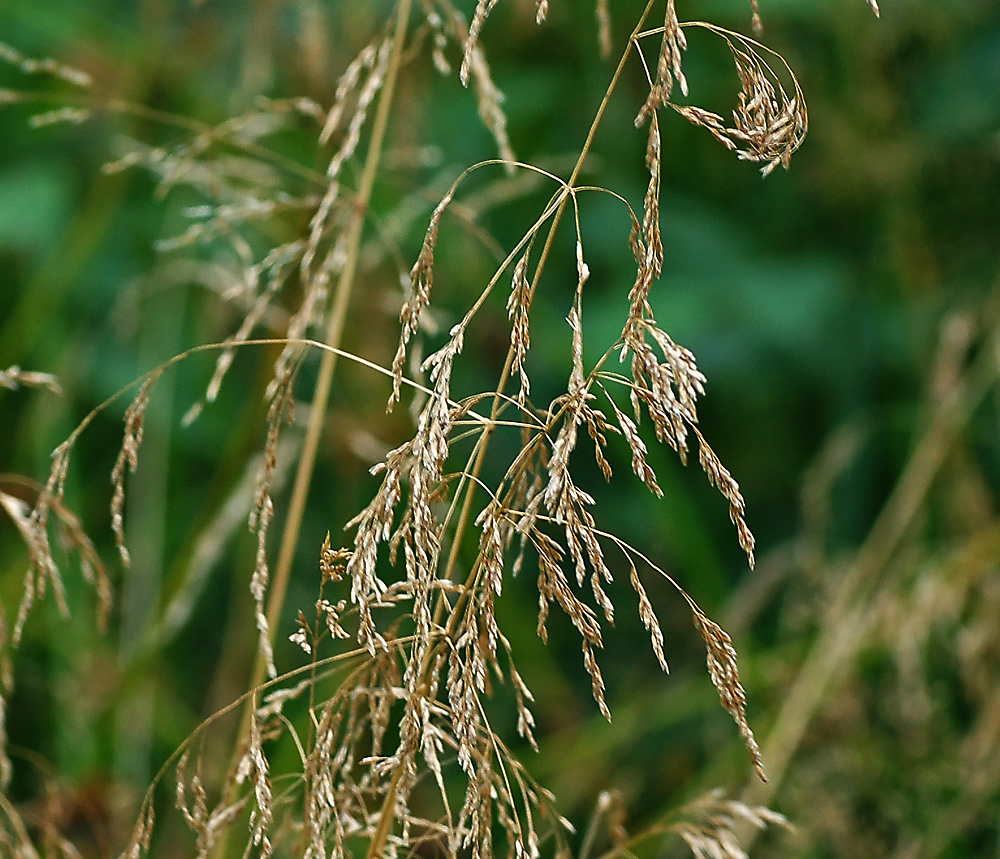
pixel 46 66
pixel 491 545
pixel 280 411
pixel 637 446
pixel 719 476
pixel 483 9
pixel 709 825
pixel 518 307
pixel 254 768
pixel 768 124
pixel 597 680
pixel 142 833
pixel 14 377
pixel 378 67
pixel 648 617
pixel 726 678
pixel 73 536
pixel 128 455
pixel 194 811
pixel 347 85
pixel 43 571
pixel 489 98
pixel 419 297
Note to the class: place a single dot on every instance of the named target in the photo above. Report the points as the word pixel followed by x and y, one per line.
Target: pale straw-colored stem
pixel 328 363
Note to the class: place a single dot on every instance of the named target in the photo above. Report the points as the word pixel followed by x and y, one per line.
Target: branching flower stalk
pixel 471 477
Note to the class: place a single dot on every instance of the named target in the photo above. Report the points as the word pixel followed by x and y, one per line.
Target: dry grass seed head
pixel 668 390
pixel 489 98
pixel 208 825
pixel 553 587
pixel 491 553
pixel 525 718
pixel 73 538
pixel 254 767
pixel 273 271
pixel 142 834
pixel 366 60
pixel 637 446
pixel 725 677
pixel 43 571
pixel 768 124
pixel 648 617
pixel 280 411
pixel 374 526
pixel 46 66
pixel 419 297
pixel 669 63
pixel 471 37
pixel 708 825
pixel 14 377
pixel 440 37
pixel 128 455
pixel 669 66
pixel 518 307
pixel 378 65
pixel 332 563
pixel 720 477
pixel 566 504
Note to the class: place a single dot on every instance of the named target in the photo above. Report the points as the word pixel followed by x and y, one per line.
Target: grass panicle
pixel 392 722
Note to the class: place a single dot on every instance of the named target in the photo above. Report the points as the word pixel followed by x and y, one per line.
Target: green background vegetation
pixel 833 308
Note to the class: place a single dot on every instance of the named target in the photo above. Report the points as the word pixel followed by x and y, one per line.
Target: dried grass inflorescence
pixel 407 707
pixel 768 124
pixel 709 825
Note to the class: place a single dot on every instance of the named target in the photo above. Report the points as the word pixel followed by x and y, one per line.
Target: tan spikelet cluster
pixel 450 25
pixel 47 66
pixel 768 124
pixel 726 678
pixel 207 824
pixel 708 825
pixel 668 389
pixel 262 512
pixel 43 572
pixel 128 455
pixel 14 377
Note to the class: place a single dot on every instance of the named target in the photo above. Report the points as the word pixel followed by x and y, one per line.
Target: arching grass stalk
pixel 386 814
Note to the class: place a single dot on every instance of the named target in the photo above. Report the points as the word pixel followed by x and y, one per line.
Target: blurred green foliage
pixel 814 302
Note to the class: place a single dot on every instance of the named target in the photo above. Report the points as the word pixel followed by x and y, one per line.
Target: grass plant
pixel 381 735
